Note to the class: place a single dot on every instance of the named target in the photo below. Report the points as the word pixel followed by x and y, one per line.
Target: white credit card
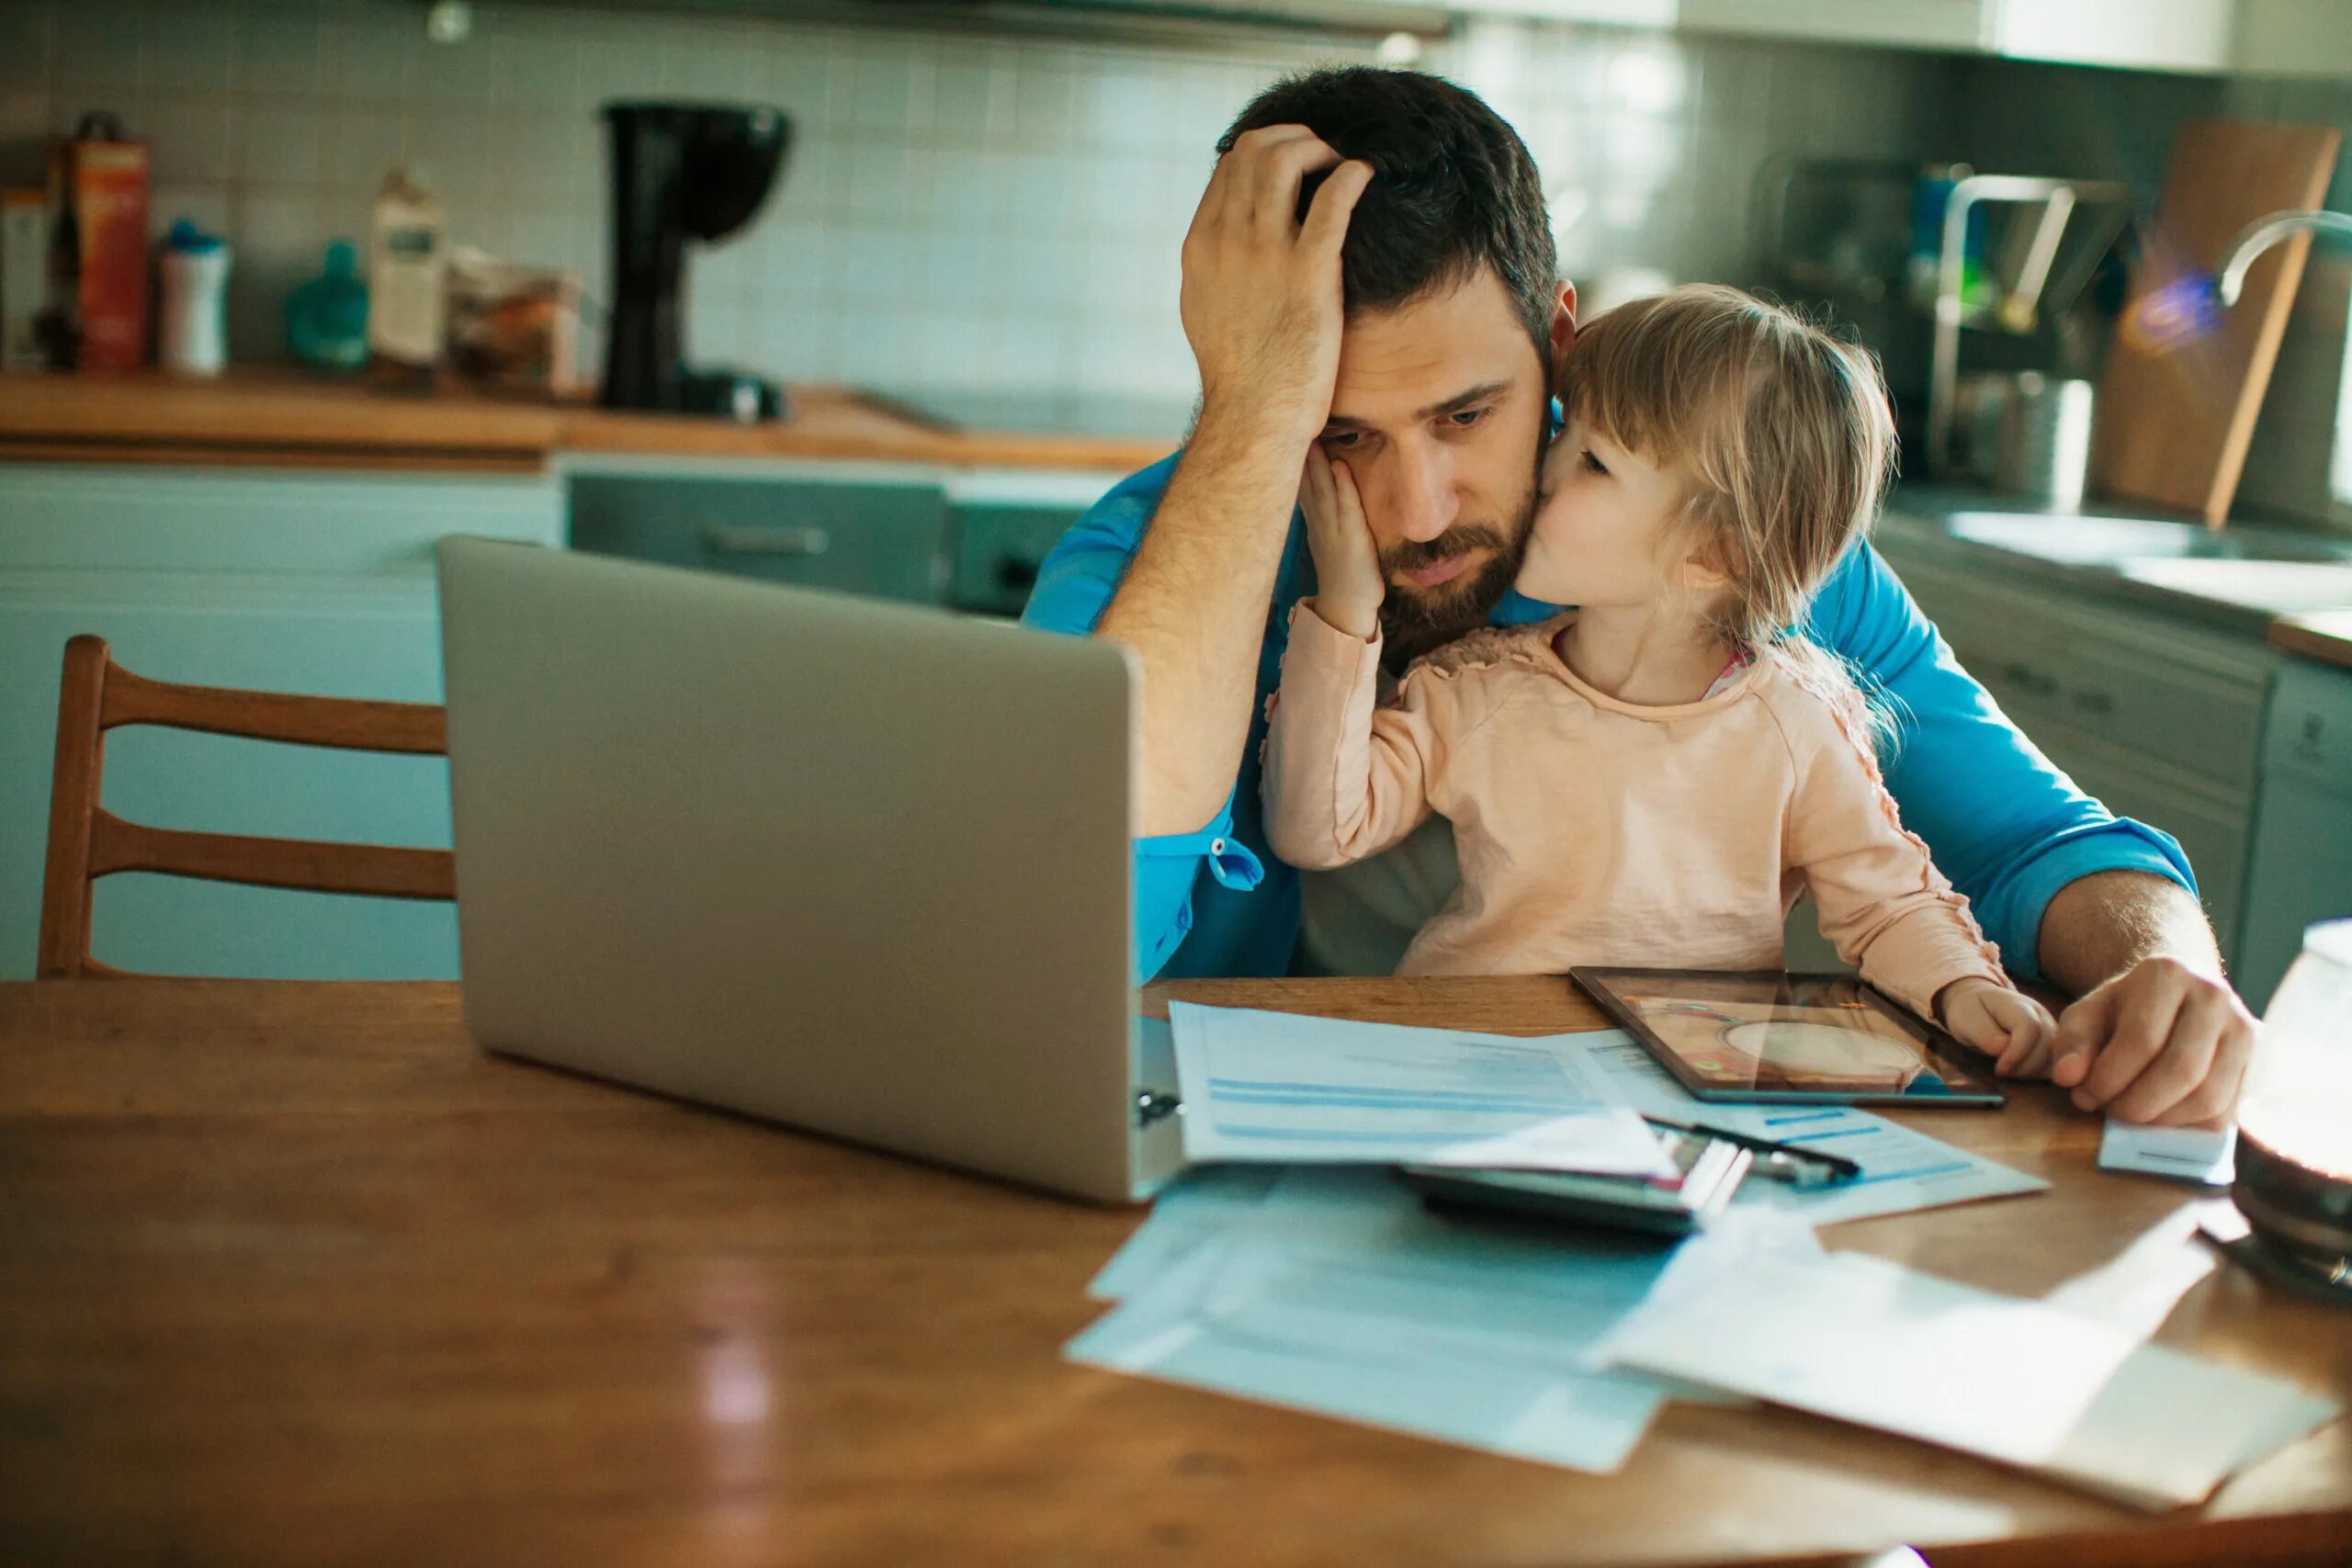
pixel 2201 1155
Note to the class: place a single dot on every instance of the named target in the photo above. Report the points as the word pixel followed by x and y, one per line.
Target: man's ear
pixel 1564 330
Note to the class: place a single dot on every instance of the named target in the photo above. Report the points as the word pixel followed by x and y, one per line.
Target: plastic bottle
pixel 194 339
pixel 406 260
pixel 326 318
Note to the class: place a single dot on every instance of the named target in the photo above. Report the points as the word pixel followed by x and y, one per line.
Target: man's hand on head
pixel 1263 307
pixel 1261 301
pixel 2158 1035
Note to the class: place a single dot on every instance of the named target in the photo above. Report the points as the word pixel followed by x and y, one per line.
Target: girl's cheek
pixel 1543 570
pixel 1550 524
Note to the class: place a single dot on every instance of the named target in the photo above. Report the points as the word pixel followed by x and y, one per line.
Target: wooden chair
pixel 88 841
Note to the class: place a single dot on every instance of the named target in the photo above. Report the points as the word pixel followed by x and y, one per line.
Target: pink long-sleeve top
pixel 1601 832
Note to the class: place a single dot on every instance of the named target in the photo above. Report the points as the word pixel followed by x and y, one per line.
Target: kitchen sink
pixel 2125 541
pixel 2278 586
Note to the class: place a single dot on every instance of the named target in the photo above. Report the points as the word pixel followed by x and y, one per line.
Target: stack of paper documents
pixel 2024 1382
pixel 1332 1290
pixel 1278 1087
pixel 1323 1284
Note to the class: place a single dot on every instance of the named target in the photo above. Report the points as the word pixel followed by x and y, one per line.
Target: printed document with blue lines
pixel 1904 1169
pixel 1333 1289
pixel 1279 1088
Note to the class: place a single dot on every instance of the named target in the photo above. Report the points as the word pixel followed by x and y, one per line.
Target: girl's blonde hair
pixel 1783 440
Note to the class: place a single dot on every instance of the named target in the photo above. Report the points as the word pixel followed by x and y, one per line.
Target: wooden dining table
pixel 296 1273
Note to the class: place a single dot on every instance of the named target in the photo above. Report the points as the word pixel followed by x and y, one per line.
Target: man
pixel 1371 269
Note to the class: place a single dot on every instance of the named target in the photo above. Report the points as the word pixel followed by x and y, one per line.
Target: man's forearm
pixel 1192 607
pixel 1263 307
pixel 2099 926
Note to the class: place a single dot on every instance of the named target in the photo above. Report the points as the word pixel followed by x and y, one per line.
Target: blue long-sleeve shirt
pixel 2006 826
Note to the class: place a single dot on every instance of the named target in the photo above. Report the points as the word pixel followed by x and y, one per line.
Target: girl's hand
pixel 1349 588
pixel 2006 1025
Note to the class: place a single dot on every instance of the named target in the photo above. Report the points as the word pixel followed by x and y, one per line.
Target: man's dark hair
pixel 1453 189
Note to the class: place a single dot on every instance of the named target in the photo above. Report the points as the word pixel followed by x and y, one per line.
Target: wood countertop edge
pixel 2324 635
pixel 326 458
pixel 253 411
pixel 262 416
pixel 964 449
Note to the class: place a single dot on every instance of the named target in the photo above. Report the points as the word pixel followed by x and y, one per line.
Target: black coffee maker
pixel 681 171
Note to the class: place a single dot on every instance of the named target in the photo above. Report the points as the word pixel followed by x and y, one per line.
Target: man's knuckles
pixel 1256 142
pixel 2167 970
pixel 2169 1080
pixel 2119 1065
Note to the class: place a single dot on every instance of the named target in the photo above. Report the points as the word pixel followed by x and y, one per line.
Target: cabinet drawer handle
pixel 728 540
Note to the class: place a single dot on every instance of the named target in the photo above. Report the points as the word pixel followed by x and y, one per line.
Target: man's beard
pixel 1413 621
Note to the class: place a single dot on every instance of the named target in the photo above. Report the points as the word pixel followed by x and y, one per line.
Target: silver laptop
pixel 852 866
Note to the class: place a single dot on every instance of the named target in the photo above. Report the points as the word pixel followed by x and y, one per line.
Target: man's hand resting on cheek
pixel 2008 1026
pixel 2161 1043
pixel 1348 585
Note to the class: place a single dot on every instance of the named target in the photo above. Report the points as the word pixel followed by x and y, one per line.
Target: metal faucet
pixel 2264 232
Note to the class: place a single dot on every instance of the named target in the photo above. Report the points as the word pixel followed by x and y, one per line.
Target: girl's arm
pixel 1345 780
pixel 1343 783
pixel 1881 901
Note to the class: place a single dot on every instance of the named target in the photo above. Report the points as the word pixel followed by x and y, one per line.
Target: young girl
pixel 1652 778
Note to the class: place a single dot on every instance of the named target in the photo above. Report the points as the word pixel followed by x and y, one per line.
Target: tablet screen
pixel 1775 1036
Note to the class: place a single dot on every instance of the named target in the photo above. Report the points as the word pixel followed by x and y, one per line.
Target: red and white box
pixel 99 192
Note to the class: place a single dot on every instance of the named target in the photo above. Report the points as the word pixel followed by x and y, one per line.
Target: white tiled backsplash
pixel 959 213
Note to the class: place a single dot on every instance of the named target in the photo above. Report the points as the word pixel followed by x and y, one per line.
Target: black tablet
pixel 1772 1037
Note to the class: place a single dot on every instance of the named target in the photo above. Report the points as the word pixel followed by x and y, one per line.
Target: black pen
pixel 1839 1168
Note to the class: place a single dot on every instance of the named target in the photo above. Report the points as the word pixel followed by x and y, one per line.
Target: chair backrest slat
pixel 86 841
pixel 64 942
pixel 343 722
pixel 375 870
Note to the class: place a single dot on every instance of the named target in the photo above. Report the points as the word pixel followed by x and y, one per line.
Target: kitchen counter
pixel 2291 586
pixel 275 416
pixel 2323 634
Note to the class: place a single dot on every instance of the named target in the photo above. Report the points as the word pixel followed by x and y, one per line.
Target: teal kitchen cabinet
pixel 284 580
pixel 968 539
pixel 1005 522
pixel 2159 716
pixel 875 529
pixel 2302 867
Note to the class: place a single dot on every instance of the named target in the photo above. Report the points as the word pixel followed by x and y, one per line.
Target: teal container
pixel 326 318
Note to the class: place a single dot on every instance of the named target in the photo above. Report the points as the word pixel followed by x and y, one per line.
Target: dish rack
pixel 2046 258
